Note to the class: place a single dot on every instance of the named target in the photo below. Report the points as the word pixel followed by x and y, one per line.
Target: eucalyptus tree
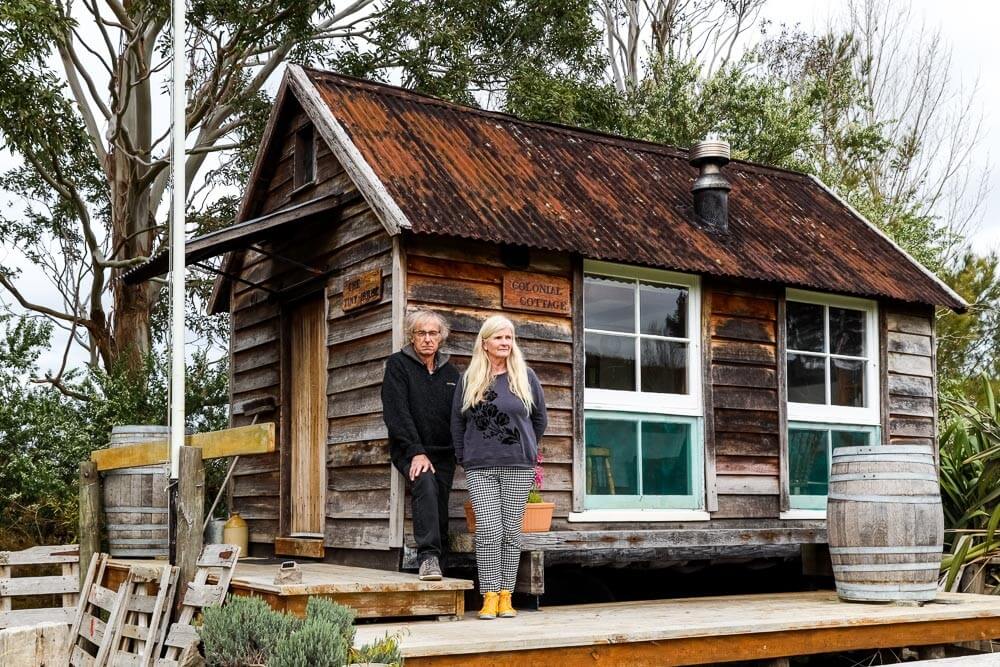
pixel 83 101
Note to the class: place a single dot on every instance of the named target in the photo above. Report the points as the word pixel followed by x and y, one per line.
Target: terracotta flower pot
pixel 537 517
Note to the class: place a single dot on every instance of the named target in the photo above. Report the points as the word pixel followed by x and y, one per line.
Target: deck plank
pixel 748 625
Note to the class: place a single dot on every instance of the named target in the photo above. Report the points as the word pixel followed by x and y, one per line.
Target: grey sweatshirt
pixel 499 431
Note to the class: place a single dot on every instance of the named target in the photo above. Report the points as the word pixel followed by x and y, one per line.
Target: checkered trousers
pixel 498 496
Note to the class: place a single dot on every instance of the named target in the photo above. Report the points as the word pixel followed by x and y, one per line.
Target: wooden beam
pixel 299 547
pixel 190 516
pixel 576 540
pixel 90 515
pixel 239 441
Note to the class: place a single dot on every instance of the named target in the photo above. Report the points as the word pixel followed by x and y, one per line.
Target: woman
pixel 497 420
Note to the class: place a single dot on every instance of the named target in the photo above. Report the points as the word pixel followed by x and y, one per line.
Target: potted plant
pixel 537 512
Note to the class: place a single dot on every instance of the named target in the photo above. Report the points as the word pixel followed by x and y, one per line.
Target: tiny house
pixel 702 353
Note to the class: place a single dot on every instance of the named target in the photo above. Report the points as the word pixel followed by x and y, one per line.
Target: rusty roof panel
pixel 481 175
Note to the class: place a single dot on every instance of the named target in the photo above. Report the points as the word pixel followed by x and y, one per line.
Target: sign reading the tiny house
pixel 534 291
pixel 360 289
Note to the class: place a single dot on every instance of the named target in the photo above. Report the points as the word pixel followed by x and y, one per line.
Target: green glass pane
pixel 850 438
pixel 666 459
pixel 611 457
pixel 808 463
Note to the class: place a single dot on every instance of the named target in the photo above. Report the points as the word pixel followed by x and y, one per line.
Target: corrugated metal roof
pixel 481 175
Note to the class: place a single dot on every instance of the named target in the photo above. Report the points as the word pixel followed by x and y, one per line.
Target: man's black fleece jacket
pixel 416 407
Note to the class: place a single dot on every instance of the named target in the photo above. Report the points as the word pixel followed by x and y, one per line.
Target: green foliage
pixel 316 644
pixel 970 481
pixel 969 343
pixel 244 631
pixel 45 434
pixel 385 650
pixel 336 615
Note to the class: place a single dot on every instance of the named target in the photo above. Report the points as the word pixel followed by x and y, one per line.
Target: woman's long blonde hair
pixel 479 376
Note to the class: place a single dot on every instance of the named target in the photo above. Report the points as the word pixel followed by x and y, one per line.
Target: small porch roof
pixel 237 237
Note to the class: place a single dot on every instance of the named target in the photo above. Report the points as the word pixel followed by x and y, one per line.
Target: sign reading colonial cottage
pixel 361 289
pixel 537 292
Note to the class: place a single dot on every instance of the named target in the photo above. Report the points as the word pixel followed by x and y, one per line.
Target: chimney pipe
pixel 711 189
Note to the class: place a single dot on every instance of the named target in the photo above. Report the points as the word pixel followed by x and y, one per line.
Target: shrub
pixel 244 631
pixel 385 650
pixel 317 644
pixel 337 615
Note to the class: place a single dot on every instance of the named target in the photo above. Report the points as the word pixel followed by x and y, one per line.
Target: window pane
pixel 847 332
pixel 610 362
pixel 850 438
pixel 808 466
pixel 666 459
pixel 609 304
pixel 847 382
pixel 663 310
pixel 806 379
pixel 805 326
pixel 664 366
pixel 611 457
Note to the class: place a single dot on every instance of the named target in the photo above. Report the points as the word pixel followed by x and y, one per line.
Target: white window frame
pixel 816 503
pixel 869 415
pixel 686 405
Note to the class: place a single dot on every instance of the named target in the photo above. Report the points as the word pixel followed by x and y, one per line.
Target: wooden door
pixel 307 417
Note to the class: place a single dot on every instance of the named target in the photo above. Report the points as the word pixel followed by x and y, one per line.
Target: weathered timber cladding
pixel 908 378
pixel 742 360
pixel 463 281
pixel 327 242
pixel 359 475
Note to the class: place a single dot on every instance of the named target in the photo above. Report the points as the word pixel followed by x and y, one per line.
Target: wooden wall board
pixel 743 377
pixel 908 378
pixel 464 282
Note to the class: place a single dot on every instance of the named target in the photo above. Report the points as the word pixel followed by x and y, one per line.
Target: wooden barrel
pixel 885 525
pixel 135 499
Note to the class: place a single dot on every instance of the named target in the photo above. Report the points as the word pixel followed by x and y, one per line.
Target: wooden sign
pixel 537 292
pixel 361 289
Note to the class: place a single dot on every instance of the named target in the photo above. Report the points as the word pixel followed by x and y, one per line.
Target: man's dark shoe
pixel 430 569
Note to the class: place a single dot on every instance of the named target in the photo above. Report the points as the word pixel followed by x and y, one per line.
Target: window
pixel 831 359
pixel 642 460
pixel 642 388
pixel 305 157
pixel 832 382
pixel 810 450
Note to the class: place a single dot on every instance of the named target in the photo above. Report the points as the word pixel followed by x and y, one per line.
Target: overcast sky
pixel 971 29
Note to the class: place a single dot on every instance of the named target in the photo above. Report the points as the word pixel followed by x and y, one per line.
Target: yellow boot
pixel 506 609
pixel 489 610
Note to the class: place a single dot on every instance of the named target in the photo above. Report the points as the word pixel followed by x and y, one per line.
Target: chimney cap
pixel 709 149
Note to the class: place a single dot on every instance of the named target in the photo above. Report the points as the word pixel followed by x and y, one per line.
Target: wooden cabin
pixel 697 373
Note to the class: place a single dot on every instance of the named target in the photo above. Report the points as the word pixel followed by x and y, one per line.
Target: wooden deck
pixel 372 593
pixel 692 631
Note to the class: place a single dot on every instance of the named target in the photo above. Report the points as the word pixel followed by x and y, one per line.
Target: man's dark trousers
pixel 429 497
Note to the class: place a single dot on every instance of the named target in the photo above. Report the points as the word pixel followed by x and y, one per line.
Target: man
pixel 416 406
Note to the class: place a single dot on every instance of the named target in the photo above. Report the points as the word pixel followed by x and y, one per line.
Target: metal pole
pixel 178 192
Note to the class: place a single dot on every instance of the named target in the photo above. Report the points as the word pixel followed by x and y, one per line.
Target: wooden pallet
pixel 217 561
pixel 96 615
pixel 144 615
pixel 67 584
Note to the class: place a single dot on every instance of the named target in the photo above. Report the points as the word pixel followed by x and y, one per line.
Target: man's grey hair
pixel 423 315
